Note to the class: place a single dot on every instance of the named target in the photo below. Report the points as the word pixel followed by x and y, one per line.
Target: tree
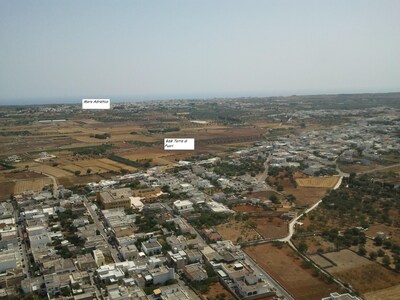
pixel 97 232
pixel 380 253
pixel 362 251
pixel 291 198
pixel 378 241
pixel 274 198
pixel 88 171
pixel 77 173
pixel 303 247
pixel 386 260
pixel 373 255
pixel 165 188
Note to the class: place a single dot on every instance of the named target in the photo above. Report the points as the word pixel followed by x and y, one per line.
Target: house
pixel 211 235
pixel 85 262
pixel 99 257
pixel 116 198
pixel 195 272
pixel 183 206
pixel 129 252
pixel 337 296
pixel 151 247
pixel 171 292
pixel 161 274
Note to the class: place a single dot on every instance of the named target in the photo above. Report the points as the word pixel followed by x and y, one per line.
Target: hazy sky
pixel 63 49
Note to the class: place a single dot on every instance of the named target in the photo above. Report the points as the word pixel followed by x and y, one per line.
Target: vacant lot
pixel 321 182
pixel 285 266
pixel 263 195
pixel 218 289
pixel 391 293
pixel 306 196
pixel 271 227
pixel 369 278
pixel 247 208
pixel 237 231
pixel 35 185
pixel 321 261
pixel 346 259
pixel 316 243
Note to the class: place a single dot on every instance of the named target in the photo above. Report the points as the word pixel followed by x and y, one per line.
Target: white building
pixel 136 203
pixel 183 206
pixel 8 261
pixel 99 257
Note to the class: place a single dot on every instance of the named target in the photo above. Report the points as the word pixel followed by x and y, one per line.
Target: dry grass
pixel 56 172
pixel 234 230
pixel 320 182
pixel 271 227
pixel 35 185
pixel 217 289
pixel 370 277
pixel 345 260
pixel 391 293
pixel 285 266
pixel 306 195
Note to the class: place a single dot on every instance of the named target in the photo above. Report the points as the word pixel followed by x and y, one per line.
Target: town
pixel 202 224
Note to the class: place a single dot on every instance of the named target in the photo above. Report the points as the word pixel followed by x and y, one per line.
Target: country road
pixel 293 223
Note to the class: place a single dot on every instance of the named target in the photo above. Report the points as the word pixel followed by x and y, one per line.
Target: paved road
pixel 280 290
pixel 100 227
pixel 293 223
pixel 24 248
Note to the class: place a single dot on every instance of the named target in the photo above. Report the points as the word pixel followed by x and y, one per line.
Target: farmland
pixel 345 260
pixel 306 196
pixel 35 185
pixel 319 182
pixel 369 277
pixel 286 267
pixel 391 293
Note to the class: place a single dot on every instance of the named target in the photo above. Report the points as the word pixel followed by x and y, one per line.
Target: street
pixel 100 227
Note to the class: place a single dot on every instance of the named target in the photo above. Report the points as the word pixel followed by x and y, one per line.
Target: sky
pixel 55 50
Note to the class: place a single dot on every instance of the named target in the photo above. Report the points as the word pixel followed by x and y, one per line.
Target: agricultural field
pixel 53 171
pixel 306 196
pixel 271 227
pixel 7 188
pixel 35 185
pixel 391 293
pixel 285 266
pixel 362 274
pixel 15 182
pixel 316 244
pixel 369 278
pixel 80 180
pixel 345 260
pixel 318 182
pixel 102 165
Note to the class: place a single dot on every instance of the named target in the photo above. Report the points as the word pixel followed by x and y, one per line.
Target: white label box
pixel 96 103
pixel 178 144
